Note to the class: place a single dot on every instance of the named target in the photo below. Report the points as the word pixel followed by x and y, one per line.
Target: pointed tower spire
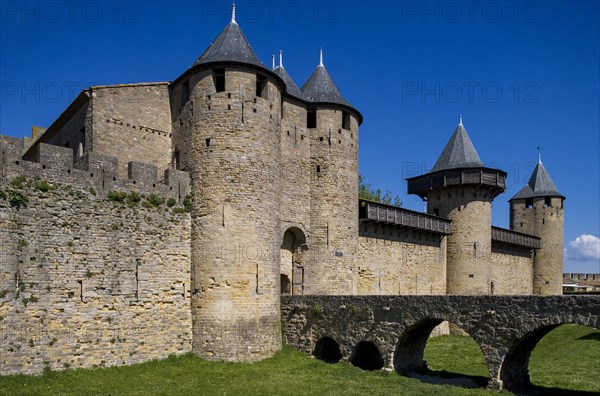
pixel 280 58
pixel 460 119
pixel 321 57
pixel 459 152
pixel 230 46
pixel 539 154
pixel 540 184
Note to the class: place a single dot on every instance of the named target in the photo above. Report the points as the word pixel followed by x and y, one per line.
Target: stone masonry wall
pixel 133 122
pixel 334 204
pixel 395 261
pixel 234 159
pixel 512 270
pixel 88 282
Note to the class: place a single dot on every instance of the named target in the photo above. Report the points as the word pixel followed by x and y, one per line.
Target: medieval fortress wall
pixel 84 280
pixel 159 218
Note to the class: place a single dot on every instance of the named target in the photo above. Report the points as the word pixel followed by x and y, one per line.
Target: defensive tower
pixel 226 135
pixel 537 209
pixel 461 188
pixel 333 128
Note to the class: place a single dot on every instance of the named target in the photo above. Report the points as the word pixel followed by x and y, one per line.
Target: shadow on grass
pixel 591 336
pixel 532 390
pixel 443 377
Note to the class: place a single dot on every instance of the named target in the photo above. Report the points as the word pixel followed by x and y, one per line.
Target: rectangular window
pixel 345 120
pixel 261 87
pixel 311 119
pixel 185 92
pixel 177 160
pixel 219 79
pixel 548 202
pixel 529 203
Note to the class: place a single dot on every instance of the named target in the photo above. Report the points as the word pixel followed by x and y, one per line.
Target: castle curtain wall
pixel 133 123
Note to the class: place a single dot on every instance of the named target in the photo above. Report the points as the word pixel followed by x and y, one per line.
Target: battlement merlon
pixel 55 164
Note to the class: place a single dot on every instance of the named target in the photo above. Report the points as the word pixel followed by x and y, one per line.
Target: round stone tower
pixel 226 111
pixel 538 210
pixel 460 188
pixel 333 130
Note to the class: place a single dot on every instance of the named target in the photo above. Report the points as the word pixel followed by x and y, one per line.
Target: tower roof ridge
pixel 459 152
pixel 291 86
pixel 320 87
pixel 230 45
pixel 540 185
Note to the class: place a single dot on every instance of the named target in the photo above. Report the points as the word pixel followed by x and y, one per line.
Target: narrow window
pixel 547 202
pixel 345 120
pixel 185 92
pixel 219 78
pixel 436 212
pixel 529 203
pixel 177 159
pixel 318 168
pixel 311 119
pixel 261 87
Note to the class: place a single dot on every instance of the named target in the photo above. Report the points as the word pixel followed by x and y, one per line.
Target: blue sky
pixel 523 74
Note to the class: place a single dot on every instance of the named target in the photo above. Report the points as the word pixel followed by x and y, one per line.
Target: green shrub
pixel 156 200
pixel 147 205
pixel 17 198
pixel 116 196
pixel 171 202
pixel 93 191
pixel 3 293
pixel 18 182
pixel 3 194
pixel 133 198
pixel 187 203
pixel 41 185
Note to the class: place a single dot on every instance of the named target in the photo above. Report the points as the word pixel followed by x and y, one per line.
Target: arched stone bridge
pixel 392 331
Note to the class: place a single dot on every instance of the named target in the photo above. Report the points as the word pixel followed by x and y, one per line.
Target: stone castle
pixel 233 187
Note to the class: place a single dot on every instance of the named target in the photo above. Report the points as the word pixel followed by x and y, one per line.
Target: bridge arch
pixel 408 356
pixel 367 356
pixel 327 350
pixel 410 349
pixel 514 371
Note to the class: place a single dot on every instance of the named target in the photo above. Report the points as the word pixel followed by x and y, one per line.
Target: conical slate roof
pixel 458 153
pixel 540 185
pixel 230 46
pixel 292 88
pixel 321 88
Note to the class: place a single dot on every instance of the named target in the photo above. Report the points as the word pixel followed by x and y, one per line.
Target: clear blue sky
pixel 522 74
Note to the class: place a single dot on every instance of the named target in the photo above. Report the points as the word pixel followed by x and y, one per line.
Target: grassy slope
pixel 290 372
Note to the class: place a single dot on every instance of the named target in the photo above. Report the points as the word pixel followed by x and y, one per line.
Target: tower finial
pixel 281 58
pixel 233 13
pixel 539 148
pixel 460 119
pixel 273 61
pixel 321 57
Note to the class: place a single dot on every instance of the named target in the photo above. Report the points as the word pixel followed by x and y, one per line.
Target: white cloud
pixel 584 247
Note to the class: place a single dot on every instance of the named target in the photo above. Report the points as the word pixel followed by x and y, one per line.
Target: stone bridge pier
pixel 374 332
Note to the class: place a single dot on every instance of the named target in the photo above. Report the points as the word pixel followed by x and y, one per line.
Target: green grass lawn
pixel 292 373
